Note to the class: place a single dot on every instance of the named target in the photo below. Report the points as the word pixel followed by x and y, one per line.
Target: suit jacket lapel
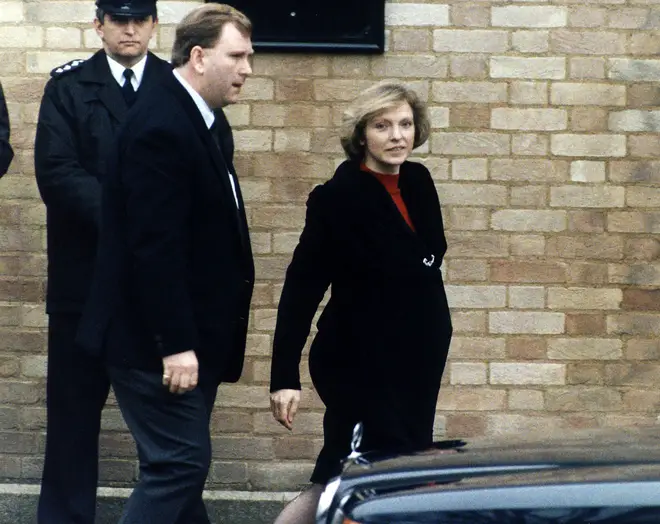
pixel 242 219
pixel 227 146
pixel 226 137
pixel 108 91
pixel 222 166
pixel 203 132
pixel 153 68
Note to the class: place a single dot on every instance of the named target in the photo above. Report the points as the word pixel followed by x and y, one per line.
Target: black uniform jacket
pixel 81 111
pixel 383 337
pixel 6 152
pixel 174 269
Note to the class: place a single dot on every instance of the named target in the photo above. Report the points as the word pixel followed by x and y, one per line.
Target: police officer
pixel 84 104
pixel 6 152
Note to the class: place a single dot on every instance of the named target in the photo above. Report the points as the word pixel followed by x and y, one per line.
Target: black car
pixel 605 476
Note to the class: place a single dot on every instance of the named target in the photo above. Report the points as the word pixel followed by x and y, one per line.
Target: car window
pixel 609 515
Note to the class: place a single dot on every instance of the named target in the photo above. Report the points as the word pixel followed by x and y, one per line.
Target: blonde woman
pixel 374 233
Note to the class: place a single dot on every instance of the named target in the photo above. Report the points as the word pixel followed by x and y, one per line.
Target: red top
pixel 391 183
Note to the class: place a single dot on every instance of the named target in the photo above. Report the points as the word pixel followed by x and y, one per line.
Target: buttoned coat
pixel 175 269
pixel 384 334
pixel 81 112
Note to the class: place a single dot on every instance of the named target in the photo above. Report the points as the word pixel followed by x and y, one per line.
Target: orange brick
pixel 644 146
pixel 293 165
pixel 641 299
pixel 585 374
pixel 586 221
pixel 641 400
pixel 642 94
pixel 526 348
pixel 639 172
pixel 588 119
pixel 287 89
pixel 413 40
pixel 585 324
pixel 587 273
pixel 643 349
pixel 472 67
pixel 533 272
pixel 464 425
pixel 472 117
pixel 642 249
pixel 605 247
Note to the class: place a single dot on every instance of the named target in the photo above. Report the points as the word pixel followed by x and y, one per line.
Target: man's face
pixel 226 66
pixel 125 39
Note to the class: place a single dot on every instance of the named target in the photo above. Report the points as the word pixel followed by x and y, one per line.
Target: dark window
pixel 321 25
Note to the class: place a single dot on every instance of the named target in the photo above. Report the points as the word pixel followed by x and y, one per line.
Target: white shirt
pixel 117 71
pixel 207 115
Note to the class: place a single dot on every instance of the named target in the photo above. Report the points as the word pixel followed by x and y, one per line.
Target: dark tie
pixel 127 89
pixel 225 135
pixel 216 135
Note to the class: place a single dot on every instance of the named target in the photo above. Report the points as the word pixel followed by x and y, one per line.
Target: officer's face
pixel 225 67
pixel 125 39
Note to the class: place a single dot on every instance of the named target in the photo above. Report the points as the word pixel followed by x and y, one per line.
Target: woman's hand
pixel 283 405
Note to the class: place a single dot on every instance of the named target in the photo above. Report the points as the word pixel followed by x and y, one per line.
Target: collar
pixel 366 168
pixel 389 180
pixel 204 109
pixel 117 71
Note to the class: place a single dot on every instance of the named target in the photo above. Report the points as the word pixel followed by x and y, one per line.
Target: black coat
pixel 174 269
pixel 6 152
pixel 81 111
pixel 383 337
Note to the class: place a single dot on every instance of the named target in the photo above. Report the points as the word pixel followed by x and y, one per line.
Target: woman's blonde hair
pixel 370 103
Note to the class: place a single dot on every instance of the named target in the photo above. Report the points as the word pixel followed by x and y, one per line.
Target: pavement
pixel 18 503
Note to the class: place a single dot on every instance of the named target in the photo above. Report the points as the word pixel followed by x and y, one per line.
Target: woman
pixel 374 233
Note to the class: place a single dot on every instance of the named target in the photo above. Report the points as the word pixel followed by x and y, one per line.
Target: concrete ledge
pixel 18 505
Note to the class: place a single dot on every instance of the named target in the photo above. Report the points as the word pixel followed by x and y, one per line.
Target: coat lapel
pixel 222 167
pixel 108 91
pixel 383 208
pixel 428 225
pixel 388 225
pixel 152 70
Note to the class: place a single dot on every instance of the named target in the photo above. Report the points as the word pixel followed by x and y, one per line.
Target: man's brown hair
pixel 203 27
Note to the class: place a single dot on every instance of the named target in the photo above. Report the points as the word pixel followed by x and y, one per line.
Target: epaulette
pixel 66 68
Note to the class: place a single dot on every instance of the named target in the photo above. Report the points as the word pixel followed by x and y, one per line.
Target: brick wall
pixel 544 150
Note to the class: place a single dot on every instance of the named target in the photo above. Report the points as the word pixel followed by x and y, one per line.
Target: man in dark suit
pixel 84 104
pixel 6 152
pixel 171 293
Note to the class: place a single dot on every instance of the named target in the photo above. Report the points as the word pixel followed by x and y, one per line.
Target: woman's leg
pixel 302 509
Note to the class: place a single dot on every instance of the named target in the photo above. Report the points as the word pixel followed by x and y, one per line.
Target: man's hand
pixel 180 371
pixel 284 404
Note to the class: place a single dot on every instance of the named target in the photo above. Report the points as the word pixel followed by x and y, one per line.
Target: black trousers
pixel 77 388
pixel 174 446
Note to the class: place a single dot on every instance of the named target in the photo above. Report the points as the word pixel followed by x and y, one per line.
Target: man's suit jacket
pixel 6 152
pixel 175 269
pixel 81 112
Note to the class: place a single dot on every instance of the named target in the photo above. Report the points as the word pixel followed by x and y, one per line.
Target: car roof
pixel 568 456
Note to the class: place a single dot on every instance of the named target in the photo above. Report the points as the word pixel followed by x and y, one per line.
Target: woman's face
pixel 389 138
